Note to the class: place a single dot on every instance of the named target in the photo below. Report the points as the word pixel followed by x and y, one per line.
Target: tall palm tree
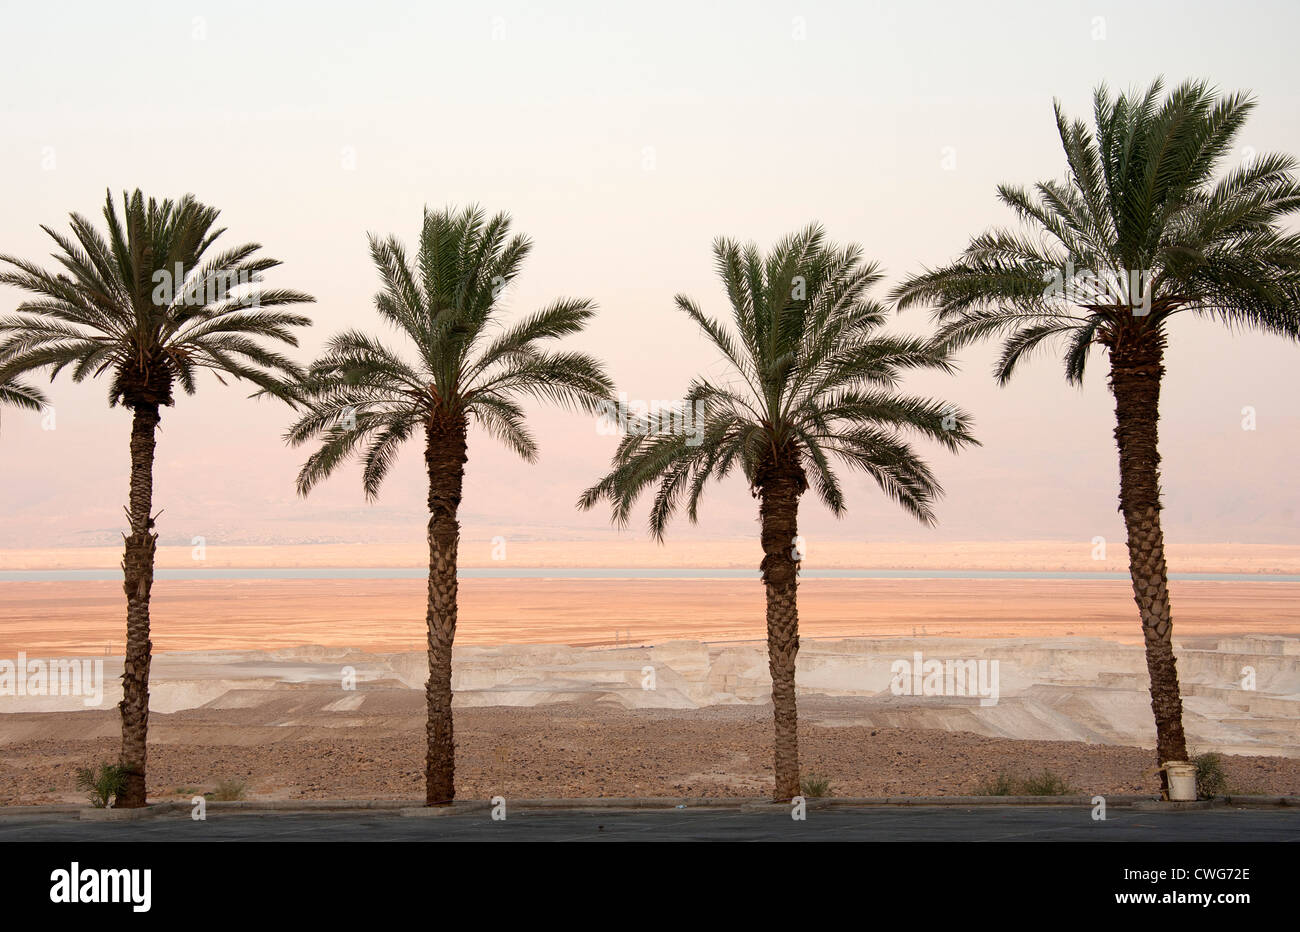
pixel 810 379
pixel 365 398
pixel 152 304
pixel 1152 234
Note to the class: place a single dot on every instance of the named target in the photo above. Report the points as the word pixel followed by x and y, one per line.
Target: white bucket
pixel 1182 780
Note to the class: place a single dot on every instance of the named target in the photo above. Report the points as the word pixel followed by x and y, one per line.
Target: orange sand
pixel 60 618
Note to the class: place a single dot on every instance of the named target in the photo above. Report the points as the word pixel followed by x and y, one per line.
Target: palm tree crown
pixel 1141 212
pixel 364 396
pixel 118 303
pixel 812 381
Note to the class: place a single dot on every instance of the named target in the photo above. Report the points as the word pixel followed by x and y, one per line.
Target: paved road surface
pixel 939 824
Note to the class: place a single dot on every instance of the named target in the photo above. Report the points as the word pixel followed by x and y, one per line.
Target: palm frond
pixel 150 303
pixel 1146 210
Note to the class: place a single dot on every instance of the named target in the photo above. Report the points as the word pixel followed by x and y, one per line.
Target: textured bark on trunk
pixel 1135 382
pixel 779 489
pixel 137 576
pixel 445 456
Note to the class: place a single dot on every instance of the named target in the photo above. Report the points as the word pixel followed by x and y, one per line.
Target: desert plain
pixel 313 688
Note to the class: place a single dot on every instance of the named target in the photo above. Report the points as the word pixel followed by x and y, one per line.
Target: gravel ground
pixel 288 749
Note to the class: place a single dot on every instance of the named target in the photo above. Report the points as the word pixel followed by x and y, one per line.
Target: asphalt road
pixel 920 823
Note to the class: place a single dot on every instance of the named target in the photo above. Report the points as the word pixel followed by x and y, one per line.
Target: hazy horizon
pixel 310 130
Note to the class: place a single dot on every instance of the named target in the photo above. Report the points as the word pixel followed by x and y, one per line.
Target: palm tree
pixel 152 304
pixel 1153 235
pixel 365 398
pixel 810 379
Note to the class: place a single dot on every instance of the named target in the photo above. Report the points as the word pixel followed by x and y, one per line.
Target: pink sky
pixel 622 144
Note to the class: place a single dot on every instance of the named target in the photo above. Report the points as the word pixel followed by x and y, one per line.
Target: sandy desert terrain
pixel 550 700
pixel 572 750
pixel 388 615
pixel 680 718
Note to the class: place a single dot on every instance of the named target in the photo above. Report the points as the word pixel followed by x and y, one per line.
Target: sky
pixel 622 139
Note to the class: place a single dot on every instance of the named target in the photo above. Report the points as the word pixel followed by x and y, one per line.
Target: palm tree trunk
pixel 778 492
pixel 445 456
pixel 1135 381
pixel 137 575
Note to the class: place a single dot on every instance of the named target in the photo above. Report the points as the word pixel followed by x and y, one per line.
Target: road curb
pixel 970 801
pixel 407 808
pixel 433 812
pixel 1178 805
pixel 140 814
pixel 305 805
pixel 1262 800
